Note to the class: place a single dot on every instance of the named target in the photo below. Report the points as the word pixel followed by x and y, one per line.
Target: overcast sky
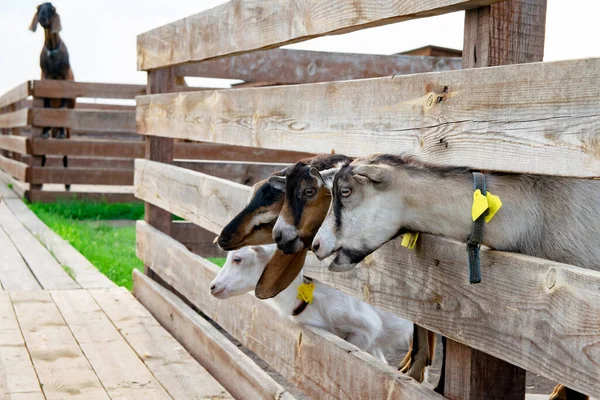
pixel 101 35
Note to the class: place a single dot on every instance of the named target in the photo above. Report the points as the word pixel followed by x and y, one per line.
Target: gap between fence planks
pixel 285 66
pixel 121 371
pixel 86 275
pixel 176 370
pixel 63 372
pixel 228 364
pixel 18 379
pixel 531 312
pixel 105 121
pixel 48 272
pixel 239 27
pixel 198 240
pixel 304 356
pixel 16 94
pixel 70 89
pixel 512 118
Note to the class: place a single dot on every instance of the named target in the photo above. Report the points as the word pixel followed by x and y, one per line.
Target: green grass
pixel 9 185
pixel 111 249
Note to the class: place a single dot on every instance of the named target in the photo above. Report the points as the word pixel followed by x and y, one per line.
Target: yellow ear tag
pixel 494 203
pixel 480 204
pixel 305 292
pixel 409 240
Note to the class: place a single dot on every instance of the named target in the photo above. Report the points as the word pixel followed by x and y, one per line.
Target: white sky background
pixel 101 35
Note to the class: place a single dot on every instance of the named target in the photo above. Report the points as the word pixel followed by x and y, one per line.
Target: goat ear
pixel 34 22
pixel 374 173
pixel 278 182
pixel 326 176
pixel 56 26
pixel 279 273
pixel 283 172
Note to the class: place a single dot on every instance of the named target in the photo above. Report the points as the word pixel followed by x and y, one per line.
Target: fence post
pixel 161 150
pixel 34 161
pixel 509 32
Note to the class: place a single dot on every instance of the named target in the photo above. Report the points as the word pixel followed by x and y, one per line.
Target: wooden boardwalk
pixel 77 335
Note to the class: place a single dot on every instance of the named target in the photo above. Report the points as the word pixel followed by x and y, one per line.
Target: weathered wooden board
pixel 210 347
pixel 121 371
pixel 319 363
pixel 82 176
pixel 63 370
pixel 16 94
pixel 168 361
pixel 88 162
pixel 285 66
pixel 14 168
pixel 17 376
pixel 86 275
pixel 70 89
pixel 238 27
pixel 47 271
pixel 216 151
pixel 47 196
pixel 17 144
pixel 197 239
pixel 16 119
pixel 513 118
pixel 212 201
pixel 86 120
pixel 14 272
pixel 534 313
pixel 88 147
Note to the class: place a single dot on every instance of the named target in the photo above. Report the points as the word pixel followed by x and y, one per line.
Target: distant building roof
pixel 435 51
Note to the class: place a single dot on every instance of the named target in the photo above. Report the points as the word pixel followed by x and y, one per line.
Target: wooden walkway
pixel 76 335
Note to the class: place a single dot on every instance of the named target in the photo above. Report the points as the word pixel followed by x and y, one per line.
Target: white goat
pixel 372 330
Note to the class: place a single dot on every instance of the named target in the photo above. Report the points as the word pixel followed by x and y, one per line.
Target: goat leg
pixel 66 164
pixel 46 133
pixel 419 354
pixel 61 133
pixel 561 392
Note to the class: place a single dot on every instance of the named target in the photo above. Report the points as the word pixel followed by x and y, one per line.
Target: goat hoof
pixel 45 135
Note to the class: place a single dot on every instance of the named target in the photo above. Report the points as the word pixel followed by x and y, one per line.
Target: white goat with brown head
pixel 372 330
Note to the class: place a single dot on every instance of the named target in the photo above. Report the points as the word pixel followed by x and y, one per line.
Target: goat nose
pixel 224 239
pixel 277 236
pixel 212 287
pixel 316 245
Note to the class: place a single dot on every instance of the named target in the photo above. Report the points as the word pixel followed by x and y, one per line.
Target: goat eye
pixel 309 192
pixel 345 191
pixel 237 260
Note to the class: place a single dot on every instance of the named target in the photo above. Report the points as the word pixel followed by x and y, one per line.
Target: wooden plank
pixel 196 239
pixel 16 119
pixel 88 147
pixel 62 369
pixel 239 172
pixel 216 151
pixel 70 89
pixel 173 188
pixel 89 162
pixel 485 118
pixel 286 66
pixel 234 27
pixel 47 271
pixel 83 176
pixel 48 196
pixel 168 361
pixel 525 310
pixel 16 169
pixel 319 363
pixel 17 144
pixel 88 120
pixel 210 347
pixel 121 371
pixel 86 275
pixel 16 94
pixel 17 376
pixel 91 106
pixel 433 51
pixel 14 273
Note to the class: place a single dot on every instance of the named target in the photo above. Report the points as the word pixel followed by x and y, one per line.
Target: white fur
pixel 357 322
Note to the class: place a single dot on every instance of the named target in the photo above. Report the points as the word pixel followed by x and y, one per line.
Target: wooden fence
pixel 542 118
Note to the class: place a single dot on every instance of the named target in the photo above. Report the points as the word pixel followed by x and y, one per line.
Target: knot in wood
pixel 551 278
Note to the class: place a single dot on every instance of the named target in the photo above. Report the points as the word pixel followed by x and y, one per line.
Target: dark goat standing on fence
pixel 54 62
